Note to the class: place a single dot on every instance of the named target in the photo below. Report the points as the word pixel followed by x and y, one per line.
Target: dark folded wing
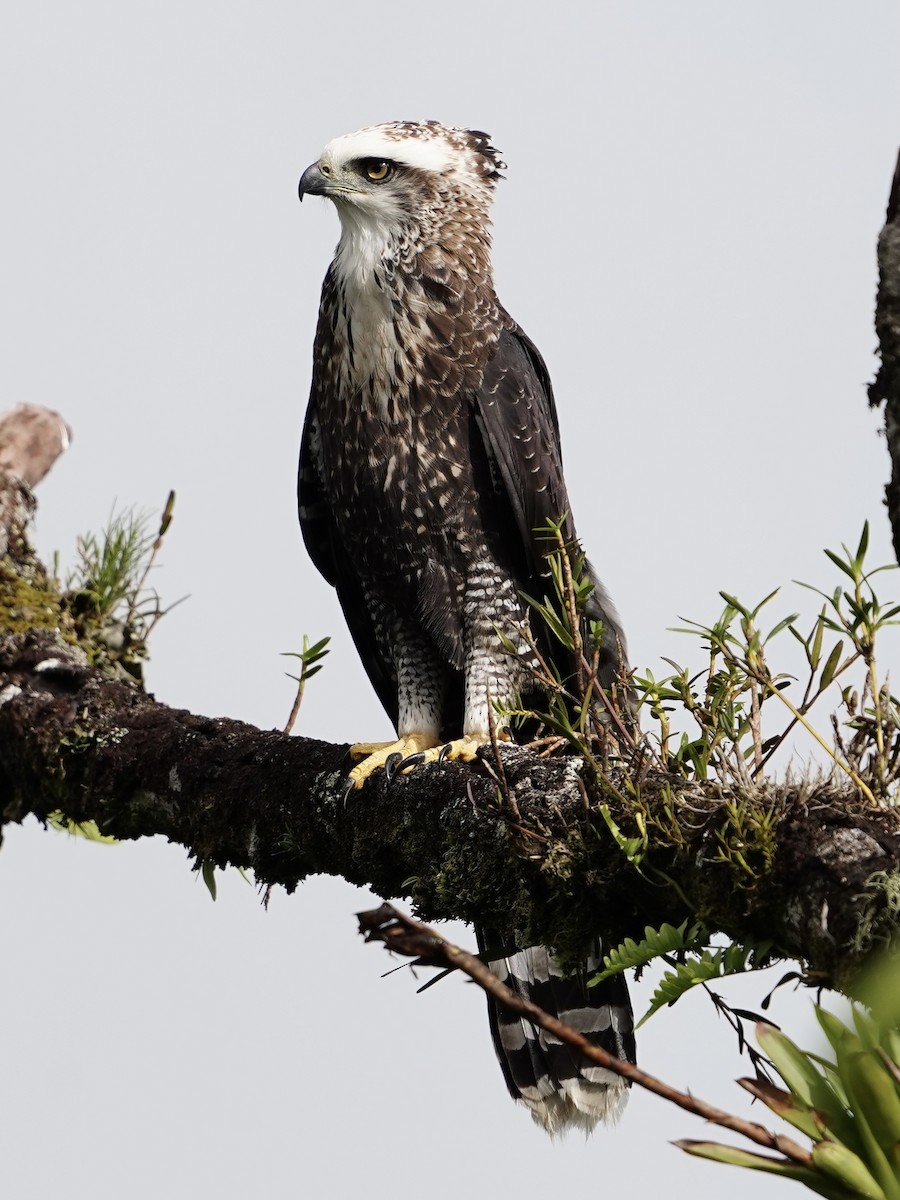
pixel 333 561
pixel 517 417
pixel 516 414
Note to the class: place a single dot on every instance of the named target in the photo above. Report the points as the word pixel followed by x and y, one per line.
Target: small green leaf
pixel 863 545
pixel 841 565
pixel 632 848
pixel 787 623
pixel 316 649
pixel 735 1157
pixel 831 666
pixel 208 871
pixel 734 603
pixel 815 654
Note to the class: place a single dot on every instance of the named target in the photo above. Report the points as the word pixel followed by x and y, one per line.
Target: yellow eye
pixel 378 169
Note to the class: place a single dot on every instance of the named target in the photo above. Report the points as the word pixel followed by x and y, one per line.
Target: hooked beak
pixel 313 182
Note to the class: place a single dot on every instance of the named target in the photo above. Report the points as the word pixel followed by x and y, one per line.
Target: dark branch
pixel 93 748
pixel 886 386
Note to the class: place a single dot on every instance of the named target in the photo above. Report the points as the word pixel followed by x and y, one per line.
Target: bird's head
pixel 404 175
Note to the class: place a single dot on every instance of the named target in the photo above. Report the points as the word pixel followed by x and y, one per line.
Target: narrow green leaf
pixel 319 646
pixel 632 848
pixel 833 1027
pixel 735 1157
pixel 815 654
pixel 892 1041
pixel 841 565
pixel 208 871
pixel 831 666
pixel 734 603
pixel 787 623
pixel 805 1081
pixel 863 544
pixel 771 596
pixel 877 1097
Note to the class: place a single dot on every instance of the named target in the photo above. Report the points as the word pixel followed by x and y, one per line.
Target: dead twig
pixel 403 935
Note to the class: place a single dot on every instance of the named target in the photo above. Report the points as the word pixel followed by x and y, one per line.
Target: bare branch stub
pixel 406 937
pixel 31 440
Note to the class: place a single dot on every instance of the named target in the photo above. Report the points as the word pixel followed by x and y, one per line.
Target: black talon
pixel 392 762
pixel 445 750
pixel 349 788
pixel 412 760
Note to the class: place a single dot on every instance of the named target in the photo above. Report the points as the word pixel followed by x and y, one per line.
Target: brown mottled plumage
pixel 430 457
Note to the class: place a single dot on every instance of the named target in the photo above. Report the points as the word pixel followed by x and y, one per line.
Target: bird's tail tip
pixel 583 1106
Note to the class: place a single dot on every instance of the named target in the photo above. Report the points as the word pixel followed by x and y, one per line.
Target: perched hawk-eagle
pixel 430 465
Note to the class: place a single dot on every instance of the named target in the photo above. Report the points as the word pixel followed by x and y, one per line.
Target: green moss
pixel 30 600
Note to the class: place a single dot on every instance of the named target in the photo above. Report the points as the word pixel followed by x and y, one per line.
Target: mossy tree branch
pixel 76 741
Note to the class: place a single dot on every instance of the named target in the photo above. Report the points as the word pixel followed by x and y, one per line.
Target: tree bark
pixel 886 386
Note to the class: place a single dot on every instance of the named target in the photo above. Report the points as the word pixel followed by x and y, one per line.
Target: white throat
pixel 367 248
pixel 364 263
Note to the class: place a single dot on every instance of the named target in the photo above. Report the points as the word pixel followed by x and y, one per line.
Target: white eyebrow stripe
pixel 422 153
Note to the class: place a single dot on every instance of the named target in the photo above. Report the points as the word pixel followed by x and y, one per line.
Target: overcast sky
pixel 687 230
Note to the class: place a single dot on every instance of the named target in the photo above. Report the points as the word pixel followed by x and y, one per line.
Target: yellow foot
pixel 411 751
pixel 464 749
pixel 375 755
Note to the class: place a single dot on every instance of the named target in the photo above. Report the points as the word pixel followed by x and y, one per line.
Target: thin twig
pixel 859 783
pixel 502 781
pixel 755 726
pixel 404 935
pixel 612 710
pixel 298 700
pixel 805 706
pixel 164 523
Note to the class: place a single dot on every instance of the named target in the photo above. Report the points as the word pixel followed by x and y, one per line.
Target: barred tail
pixel 561 1087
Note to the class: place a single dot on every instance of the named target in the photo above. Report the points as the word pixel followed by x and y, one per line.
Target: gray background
pixel 687 231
